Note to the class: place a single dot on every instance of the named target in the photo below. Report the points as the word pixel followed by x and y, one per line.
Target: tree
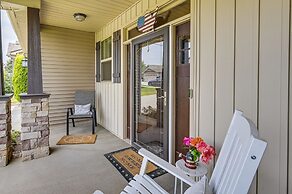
pixel 143 66
pixel 19 77
pixel 8 73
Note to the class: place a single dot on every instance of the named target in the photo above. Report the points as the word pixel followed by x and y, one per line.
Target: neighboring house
pixel 152 72
pixel 13 50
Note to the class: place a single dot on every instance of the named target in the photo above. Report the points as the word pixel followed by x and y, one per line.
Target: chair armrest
pixel 93 109
pixel 164 165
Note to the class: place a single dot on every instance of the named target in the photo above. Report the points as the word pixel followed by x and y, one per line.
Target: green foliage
pixel 14 136
pixel 19 77
pixel 143 66
pixel 8 73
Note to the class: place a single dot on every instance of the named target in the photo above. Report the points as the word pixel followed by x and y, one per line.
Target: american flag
pixel 146 22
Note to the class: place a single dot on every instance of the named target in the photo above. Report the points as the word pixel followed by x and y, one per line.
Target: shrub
pixel 8 72
pixel 149 112
pixel 19 77
pixel 14 136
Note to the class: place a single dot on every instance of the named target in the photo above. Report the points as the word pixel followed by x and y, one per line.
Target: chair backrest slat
pixel 239 157
pixel 85 97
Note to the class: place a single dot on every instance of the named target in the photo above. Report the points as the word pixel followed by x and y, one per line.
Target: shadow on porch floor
pixel 74 169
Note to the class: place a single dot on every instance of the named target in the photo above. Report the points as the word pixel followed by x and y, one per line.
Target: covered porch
pixel 233 55
pixel 71 169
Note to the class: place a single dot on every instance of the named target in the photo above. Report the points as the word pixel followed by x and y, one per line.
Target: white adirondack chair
pixel 236 166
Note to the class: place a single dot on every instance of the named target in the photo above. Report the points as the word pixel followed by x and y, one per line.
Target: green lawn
pixel 148 90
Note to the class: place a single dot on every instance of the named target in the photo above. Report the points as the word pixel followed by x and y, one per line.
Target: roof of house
pixel 13 49
pixel 155 68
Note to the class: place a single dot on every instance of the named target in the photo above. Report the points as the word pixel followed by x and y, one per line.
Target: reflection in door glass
pixel 149 96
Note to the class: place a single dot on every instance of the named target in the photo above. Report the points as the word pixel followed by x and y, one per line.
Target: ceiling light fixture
pixel 80 17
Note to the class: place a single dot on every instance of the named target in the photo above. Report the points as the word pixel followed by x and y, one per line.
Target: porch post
pixel 35 127
pixel 1 63
pixel 35 81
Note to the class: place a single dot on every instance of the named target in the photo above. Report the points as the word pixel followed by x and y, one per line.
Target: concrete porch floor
pixel 74 169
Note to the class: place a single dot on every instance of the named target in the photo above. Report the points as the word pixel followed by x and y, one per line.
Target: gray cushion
pixel 82 109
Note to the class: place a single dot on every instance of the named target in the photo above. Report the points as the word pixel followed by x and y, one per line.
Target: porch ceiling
pixel 99 12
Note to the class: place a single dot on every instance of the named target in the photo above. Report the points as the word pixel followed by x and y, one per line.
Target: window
pixel 106 69
pixel 106 48
pixel 184 50
pixel 106 59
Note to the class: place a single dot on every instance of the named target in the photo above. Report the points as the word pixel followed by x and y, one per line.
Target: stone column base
pixel 5 130
pixel 35 126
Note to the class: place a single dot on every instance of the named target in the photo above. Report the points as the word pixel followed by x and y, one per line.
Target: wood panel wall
pixel 68 58
pixel 243 64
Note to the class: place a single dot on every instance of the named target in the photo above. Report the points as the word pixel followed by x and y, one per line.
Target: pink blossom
pixel 187 141
pixel 201 146
pixel 208 153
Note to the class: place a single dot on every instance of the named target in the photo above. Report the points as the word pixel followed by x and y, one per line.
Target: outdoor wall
pixel 243 59
pixel 68 59
pixel 110 98
pixel 240 60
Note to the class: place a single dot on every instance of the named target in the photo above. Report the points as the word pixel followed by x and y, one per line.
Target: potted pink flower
pixel 198 150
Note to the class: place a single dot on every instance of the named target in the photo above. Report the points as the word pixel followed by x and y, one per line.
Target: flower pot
pixel 190 161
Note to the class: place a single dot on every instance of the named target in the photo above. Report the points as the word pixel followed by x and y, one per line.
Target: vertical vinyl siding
pixel 251 70
pixel 111 101
pixel 273 94
pixel 110 107
pixel 246 58
pixel 224 93
pixel 68 65
pixel 207 61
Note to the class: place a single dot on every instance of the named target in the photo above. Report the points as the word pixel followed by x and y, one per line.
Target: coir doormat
pixel 77 139
pixel 128 162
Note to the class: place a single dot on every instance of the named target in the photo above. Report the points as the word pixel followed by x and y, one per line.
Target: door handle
pixel 161 97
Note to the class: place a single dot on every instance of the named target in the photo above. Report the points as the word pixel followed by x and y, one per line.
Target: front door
pixel 150 92
pixel 182 85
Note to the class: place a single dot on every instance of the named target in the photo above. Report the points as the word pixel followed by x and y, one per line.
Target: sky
pixel 8 34
pixel 153 54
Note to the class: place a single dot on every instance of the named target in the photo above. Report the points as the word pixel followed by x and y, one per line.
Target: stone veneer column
pixel 5 129
pixel 35 126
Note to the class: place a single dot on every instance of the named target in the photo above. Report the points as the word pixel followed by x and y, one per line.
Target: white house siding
pixel 241 60
pixel 68 65
pixel 108 115
pixel 243 63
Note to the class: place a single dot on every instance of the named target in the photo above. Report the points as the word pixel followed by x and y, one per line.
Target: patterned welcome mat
pixel 128 162
pixel 77 139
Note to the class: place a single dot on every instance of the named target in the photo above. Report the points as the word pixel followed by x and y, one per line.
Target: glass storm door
pixel 150 92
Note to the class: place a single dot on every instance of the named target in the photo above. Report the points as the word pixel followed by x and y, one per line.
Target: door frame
pixel 175 60
pixel 165 33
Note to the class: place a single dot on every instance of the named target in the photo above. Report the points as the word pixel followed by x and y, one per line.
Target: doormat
pixel 128 162
pixel 77 139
